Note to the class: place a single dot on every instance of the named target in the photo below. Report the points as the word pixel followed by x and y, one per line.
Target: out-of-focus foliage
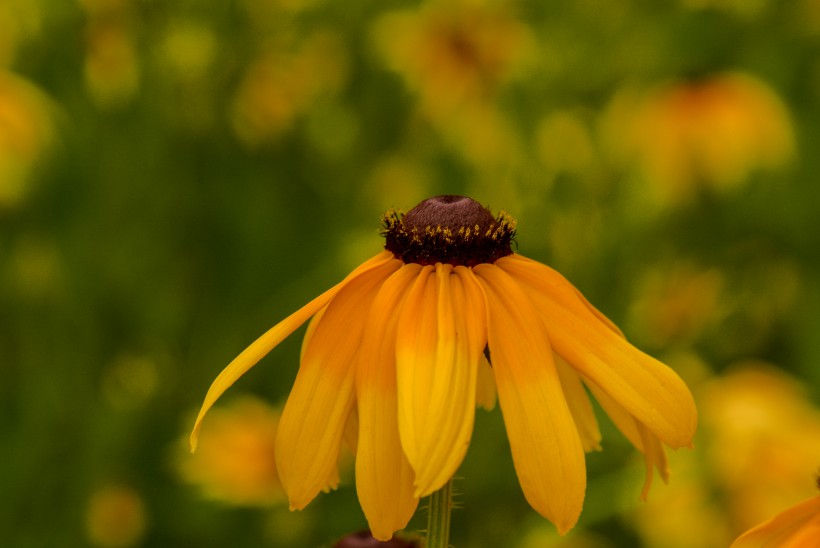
pixel 175 177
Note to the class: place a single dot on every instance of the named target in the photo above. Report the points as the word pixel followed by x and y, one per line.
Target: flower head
pixel 397 356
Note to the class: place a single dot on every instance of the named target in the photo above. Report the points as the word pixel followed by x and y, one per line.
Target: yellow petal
pixel 566 293
pixel 649 390
pixel 795 527
pixel 579 405
pixel 415 341
pixel 546 448
pixel 264 344
pixel 654 456
pixel 437 354
pixel 620 417
pixel 311 329
pixel 475 325
pixel 311 428
pixel 638 434
pixel 384 478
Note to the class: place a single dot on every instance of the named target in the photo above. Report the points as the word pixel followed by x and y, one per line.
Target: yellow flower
pixel 714 132
pixel 761 424
pixel 395 353
pixel 26 133
pixel 236 462
pixel 282 84
pixel 457 57
pixel 115 517
pixel 453 53
pixel 797 527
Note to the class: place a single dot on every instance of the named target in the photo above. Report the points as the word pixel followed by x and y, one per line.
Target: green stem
pixel 438 519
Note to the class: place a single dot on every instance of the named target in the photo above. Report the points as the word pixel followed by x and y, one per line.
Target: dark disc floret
pixel 448 229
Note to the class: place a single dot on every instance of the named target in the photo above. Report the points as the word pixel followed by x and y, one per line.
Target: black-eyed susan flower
pixel 396 354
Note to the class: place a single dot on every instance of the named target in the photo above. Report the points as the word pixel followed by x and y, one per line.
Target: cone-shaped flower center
pixel 448 229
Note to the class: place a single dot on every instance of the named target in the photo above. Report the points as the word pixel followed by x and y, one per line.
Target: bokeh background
pixel 175 177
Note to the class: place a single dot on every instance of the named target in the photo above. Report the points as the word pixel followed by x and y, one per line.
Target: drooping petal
pixel 311 428
pixel 554 284
pixel 416 338
pixel 579 405
pixel 796 527
pixel 474 318
pixel 598 314
pixel 546 448
pixel 311 329
pixel 638 434
pixel 654 457
pixel 264 344
pixel 384 478
pixel 437 352
pixel 649 390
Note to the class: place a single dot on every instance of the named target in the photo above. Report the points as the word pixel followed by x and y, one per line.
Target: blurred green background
pixel 176 177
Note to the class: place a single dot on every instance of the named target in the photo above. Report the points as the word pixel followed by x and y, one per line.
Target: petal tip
pixel 193 441
pixel 565 527
pixel 379 535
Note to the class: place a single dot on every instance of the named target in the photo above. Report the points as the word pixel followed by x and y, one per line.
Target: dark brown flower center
pixel 448 229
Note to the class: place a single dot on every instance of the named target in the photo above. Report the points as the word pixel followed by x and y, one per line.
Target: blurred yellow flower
pixel 677 302
pixel 764 440
pixel 111 68
pixel 713 132
pixel 26 131
pixel 396 352
pixel 280 85
pixel 453 53
pixel 236 459
pixel 758 445
pixel 796 527
pixel 115 517
pixel 457 56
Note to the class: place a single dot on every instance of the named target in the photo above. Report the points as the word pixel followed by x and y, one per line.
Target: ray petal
pixel 649 390
pixel 311 329
pixel 474 316
pixel 638 434
pixel 654 457
pixel 782 529
pixel 311 428
pixel 384 478
pixel 579 405
pixel 546 448
pixel 416 338
pixel 436 374
pixel 264 344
